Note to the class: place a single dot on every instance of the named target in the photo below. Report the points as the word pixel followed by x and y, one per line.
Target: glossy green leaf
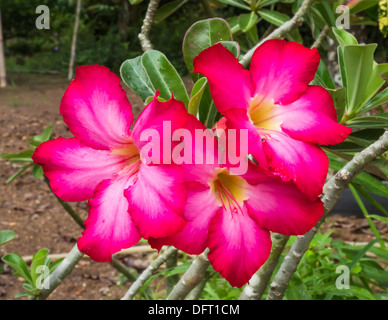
pixel 234 23
pixel 375 83
pixel 344 38
pixel 19 265
pixel 232 46
pixel 377 100
pixel 358 64
pixel 164 76
pixel 339 99
pixel 196 96
pixel 278 19
pixel 202 35
pixel 38 260
pixel 247 21
pixel 205 104
pixel 377 121
pixel 236 3
pixel 6 236
pixel 323 77
pixel 135 77
pixel 168 9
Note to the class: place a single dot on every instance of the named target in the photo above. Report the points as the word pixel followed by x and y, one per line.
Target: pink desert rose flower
pixel 103 159
pixel 233 215
pixel 287 119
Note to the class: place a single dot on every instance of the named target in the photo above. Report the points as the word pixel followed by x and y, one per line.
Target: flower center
pixel 262 112
pixel 229 190
pixel 130 156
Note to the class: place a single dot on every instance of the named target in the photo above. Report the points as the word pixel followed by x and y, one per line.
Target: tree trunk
pixel 74 41
pixel 3 75
pixel 123 21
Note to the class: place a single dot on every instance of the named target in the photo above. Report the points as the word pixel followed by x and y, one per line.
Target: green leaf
pixel 247 21
pixel 378 100
pixel 135 77
pixel 339 99
pixel 377 121
pixel 38 260
pixel 19 265
pixel 135 1
pixel 344 38
pixel 274 17
pixel 358 64
pixel 362 5
pixel 196 96
pixel 21 294
pixel 168 9
pixel 18 173
pixel 200 36
pixel 37 171
pixel 46 134
pixel 234 23
pixel 163 76
pixel 24 156
pixel 6 236
pixel 278 19
pixel 378 274
pixel 375 83
pixel 236 3
pixel 383 219
pixel 323 77
pixel 205 104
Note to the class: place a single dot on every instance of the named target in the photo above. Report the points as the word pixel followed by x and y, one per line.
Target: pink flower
pixel 285 116
pixel 233 214
pixel 103 159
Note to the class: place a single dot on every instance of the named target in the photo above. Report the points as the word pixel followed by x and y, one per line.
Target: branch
pixel 147 23
pixel 60 273
pixel 135 287
pixel 322 36
pixel 280 32
pixel 333 190
pixel 258 283
pixel 192 277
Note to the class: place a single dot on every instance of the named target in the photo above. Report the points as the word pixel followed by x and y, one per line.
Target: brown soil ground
pixel 27 207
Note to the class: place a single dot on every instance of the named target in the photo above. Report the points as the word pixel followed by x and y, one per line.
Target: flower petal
pixel 109 227
pixel 75 170
pixel 312 118
pixel 200 208
pixel 96 109
pixel 230 84
pixel 156 200
pixel 304 163
pixel 238 246
pixel 281 207
pixel 238 120
pixel 282 70
pixel 156 124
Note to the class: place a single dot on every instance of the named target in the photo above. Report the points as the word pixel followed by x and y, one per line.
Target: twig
pixel 333 190
pixel 280 32
pixel 147 23
pixel 258 283
pixel 60 273
pixel 195 294
pixel 135 287
pixel 322 36
pixel 191 278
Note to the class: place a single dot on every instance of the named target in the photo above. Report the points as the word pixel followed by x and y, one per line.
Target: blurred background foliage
pixel 108 30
